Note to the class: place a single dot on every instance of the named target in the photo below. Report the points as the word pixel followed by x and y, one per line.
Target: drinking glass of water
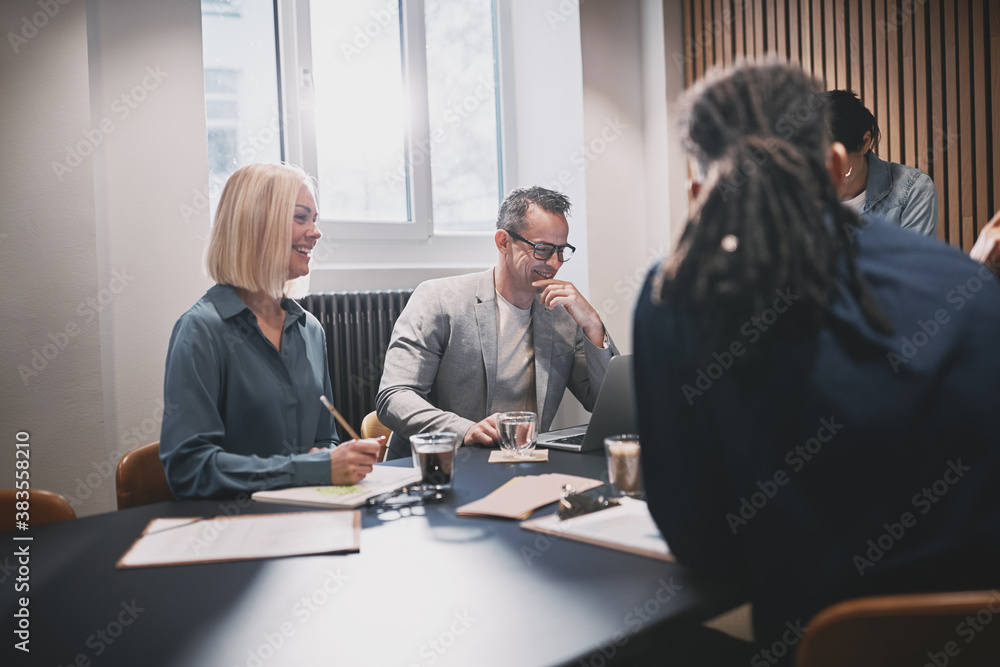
pixel 517 433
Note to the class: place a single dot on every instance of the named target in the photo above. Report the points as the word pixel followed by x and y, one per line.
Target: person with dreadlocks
pixel 816 396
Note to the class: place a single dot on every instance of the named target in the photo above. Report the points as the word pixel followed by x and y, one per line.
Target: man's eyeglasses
pixel 543 251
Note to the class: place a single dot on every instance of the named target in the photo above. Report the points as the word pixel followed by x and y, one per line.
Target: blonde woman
pixel 246 364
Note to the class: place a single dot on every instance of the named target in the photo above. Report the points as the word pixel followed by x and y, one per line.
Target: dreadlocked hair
pixel 769 220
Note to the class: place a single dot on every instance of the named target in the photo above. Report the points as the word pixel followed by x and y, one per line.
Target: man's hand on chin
pixel 563 293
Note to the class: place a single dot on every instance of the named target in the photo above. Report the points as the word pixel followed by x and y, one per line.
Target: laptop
pixel 614 413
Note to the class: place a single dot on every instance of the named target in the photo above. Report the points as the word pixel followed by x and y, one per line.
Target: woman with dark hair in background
pixel 816 396
pixel 903 195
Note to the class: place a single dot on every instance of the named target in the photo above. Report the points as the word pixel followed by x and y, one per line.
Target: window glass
pixel 463 114
pixel 354 73
pixel 241 88
pixel 360 111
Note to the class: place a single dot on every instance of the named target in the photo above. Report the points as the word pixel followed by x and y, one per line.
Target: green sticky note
pixel 338 490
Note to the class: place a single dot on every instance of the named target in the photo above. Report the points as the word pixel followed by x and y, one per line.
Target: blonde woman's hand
pixel 351 461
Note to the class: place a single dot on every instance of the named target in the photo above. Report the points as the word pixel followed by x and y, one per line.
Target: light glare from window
pixel 463 127
pixel 360 113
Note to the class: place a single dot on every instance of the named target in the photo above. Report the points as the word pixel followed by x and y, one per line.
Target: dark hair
pixel 515 206
pixel 769 217
pixel 848 120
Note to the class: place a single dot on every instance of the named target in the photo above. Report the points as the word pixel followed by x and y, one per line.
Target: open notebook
pixel 381 479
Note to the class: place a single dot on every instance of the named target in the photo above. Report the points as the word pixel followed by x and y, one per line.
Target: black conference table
pixel 431 589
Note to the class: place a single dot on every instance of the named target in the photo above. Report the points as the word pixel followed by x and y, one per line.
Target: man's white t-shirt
pixel 515 387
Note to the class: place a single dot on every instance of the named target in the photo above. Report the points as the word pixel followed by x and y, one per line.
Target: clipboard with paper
pixel 625 527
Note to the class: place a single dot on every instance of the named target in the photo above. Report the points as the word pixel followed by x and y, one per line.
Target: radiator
pixel 358 326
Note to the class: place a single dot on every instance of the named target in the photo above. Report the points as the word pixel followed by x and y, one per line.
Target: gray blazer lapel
pixel 541 331
pixel 486 318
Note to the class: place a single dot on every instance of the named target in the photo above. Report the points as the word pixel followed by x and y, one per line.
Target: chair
pixel 913 629
pixel 43 507
pixel 140 479
pixel 371 427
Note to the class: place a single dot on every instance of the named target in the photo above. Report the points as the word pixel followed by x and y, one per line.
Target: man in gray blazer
pixel 510 338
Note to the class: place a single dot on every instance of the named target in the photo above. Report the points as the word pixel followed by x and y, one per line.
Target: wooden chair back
pixel 952 628
pixel 371 427
pixel 140 479
pixel 42 507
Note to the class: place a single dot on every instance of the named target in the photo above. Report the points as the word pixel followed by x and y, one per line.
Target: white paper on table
pixel 246 537
pixel 628 527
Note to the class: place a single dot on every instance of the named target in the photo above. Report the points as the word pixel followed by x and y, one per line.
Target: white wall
pixel 635 169
pixel 147 55
pixel 51 384
pixel 105 250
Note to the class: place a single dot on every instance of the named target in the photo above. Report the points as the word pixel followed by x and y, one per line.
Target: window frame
pixel 297 97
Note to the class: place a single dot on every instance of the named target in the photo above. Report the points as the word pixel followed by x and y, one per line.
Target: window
pixel 391 104
pixel 241 88
pixel 450 177
pixel 462 100
pixel 398 114
pixel 359 131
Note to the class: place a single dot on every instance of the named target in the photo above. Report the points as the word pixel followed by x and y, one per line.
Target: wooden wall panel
pixel 893 113
pixel 794 54
pixel 909 111
pixel 719 39
pixel 728 36
pixel 921 67
pixel 854 44
pixel 781 26
pixel 739 32
pixel 965 125
pixel 758 28
pixel 994 63
pixel 805 34
pixel 830 44
pixel 939 138
pixel 979 74
pixel 881 100
pixel 867 90
pixel 697 29
pixel 771 21
pixel 928 69
pixel 817 41
pixel 708 35
pixel 952 188
pixel 840 39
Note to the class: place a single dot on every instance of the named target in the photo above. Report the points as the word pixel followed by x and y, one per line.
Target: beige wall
pixel 50 357
pixel 103 121
pixel 635 171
